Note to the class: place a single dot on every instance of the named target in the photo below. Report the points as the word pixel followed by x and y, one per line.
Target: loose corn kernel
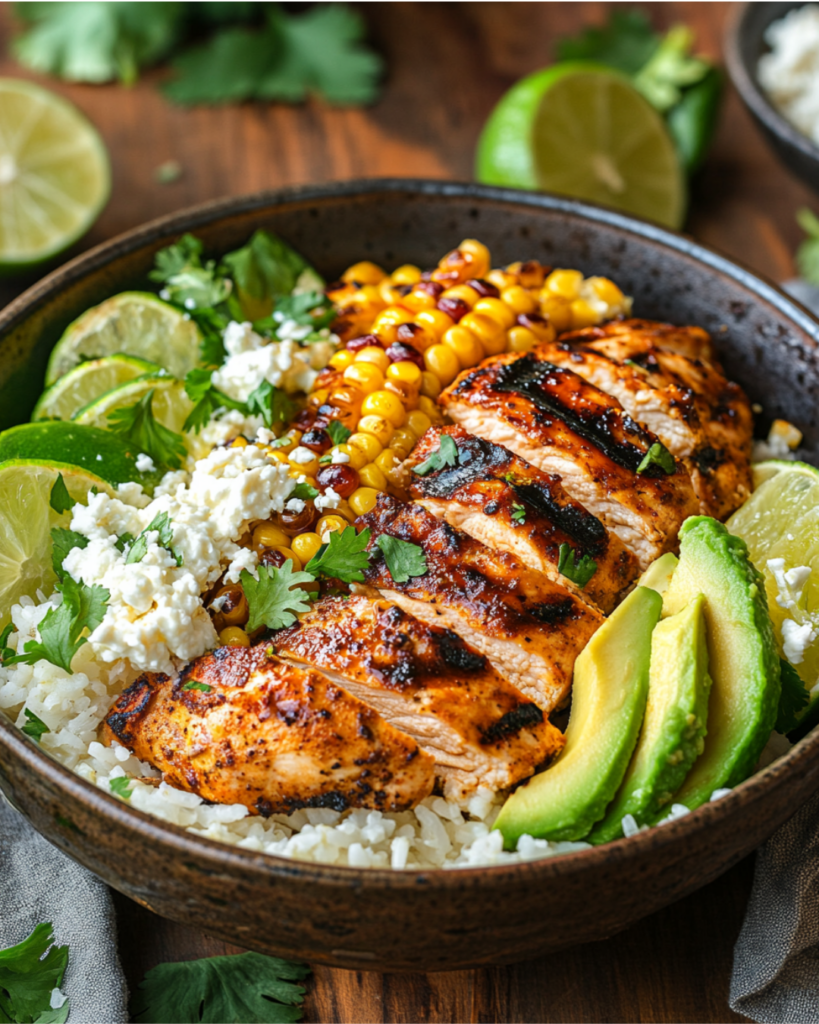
pixel 343 509
pixel 309 468
pixel 305 546
pixel 406 274
pixel 329 524
pixel 268 535
pixel 371 476
pixel 233 636
pixel 496 310
pixel 380 428
pixel 430 386
pixel 519 300
pixel 501 279
pixel 234 611
pixel 429 408
pixel 782 430
pixel 356 457
pixel 605 290
pixel 443 362
pixel 583 314
pixel 406 372
pixel 365 376
pixel 490 334
pixel 386 404
pixel 435 321
pixel 564 282
pixel 521 339
pixel 478 255
pixel 368 446
pixel 363 500
pixel 389 459
pixel 287 553
pixel 557 309
pixel 277 455
pixel 418 422
pixel 364 273
pixel 238 442
pixel 465 345
pixel 375 355
pixel 293 441
pixel 462 292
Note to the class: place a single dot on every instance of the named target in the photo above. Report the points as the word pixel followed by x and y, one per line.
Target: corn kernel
pixel 293 441
pixel 341 360
pixel 318 398
pixel 305 546
pixel 583 314
pixel 363 500
pixel 405 371
pixel 501 279
pixel 288 554
pixel 430 386
pixel 372 476
pixel 343 509
pixel 406 274
pixel 418 300
pixel 435 321
pixel 329 524
pixel 238 442
pixel 462 292
pixel 347 400
pixel 465 346
pixel 381 429
pixel 364 273
pixel 234 636
pixel 277 455
pixel 496 310
pixel 531 274
pixel 565 283
pixel 373 354
pixel 521 339
pixel 355 455
pixel 391 317
pixel 365 376
pixel 605 290
pixel 389 459
pixel 385 404
pixel 403 438
pixel 268 535
pixel 519 300
pixel 429 408
pixel 406 394
pixel 308 468
pixel 442 361
pixel 478 255
pixel 490 334
pixel 557 309
pixel 418 422
pixel 390 293
pixel 367 445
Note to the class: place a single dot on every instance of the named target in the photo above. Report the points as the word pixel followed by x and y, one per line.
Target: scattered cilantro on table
pixel 276 597
pixel 792 699
pixel 404 559
pixel 579 572
pixel 342 557
pixel 138 425
pixel 163 525
pixel 807 255
pixel 445 455
pixel 29 974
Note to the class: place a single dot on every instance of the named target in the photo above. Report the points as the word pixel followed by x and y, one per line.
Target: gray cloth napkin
pixel 38 883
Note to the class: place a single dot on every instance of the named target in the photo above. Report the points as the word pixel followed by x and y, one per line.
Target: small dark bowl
pixel 445 919
pixel 744 45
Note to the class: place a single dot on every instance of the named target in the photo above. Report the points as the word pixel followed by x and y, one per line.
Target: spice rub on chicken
pixel 530 628
pixel 563 425
pixel 507 504
pixel 241 727
pixel 428 683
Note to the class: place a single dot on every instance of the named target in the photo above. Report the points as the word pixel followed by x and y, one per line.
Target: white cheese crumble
pixel 790 72
pixel 339 458
pixel 144 463
pixel 330 499
pixel 782 441
pixel 301 456
pixel 800 627
pixel 252 359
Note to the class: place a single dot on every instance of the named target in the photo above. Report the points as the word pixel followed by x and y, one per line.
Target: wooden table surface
pixel 448 64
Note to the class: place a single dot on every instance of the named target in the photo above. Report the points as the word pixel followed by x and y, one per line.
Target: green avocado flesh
pixel 674 725
pixel 742 654
pixel 608 701
pixel 658 575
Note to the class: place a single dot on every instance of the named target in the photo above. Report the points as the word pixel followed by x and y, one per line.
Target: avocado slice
pixel 742 654
pixel 608 701
pixel 658 575
pixel 672 737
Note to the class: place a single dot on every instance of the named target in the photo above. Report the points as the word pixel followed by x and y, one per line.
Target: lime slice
pixel 170 405
pixel 132 323
pixel 781 520
pixel 86 382
pixel 581 130
pixel 26 520
pixel 96 451
pixel 54 174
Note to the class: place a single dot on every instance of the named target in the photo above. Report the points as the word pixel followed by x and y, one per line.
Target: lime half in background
pixel 86 382
pixel 54 174
pixel 582 130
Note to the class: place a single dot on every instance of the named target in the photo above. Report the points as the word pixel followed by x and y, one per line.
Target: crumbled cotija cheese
pixel 252 359
pixel 790 72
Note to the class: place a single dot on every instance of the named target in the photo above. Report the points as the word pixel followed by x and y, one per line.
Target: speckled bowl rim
pixel 753 95
pixel 800 759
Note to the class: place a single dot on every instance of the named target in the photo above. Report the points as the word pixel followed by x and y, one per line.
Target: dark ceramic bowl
pixel 744 45
pixel 423 920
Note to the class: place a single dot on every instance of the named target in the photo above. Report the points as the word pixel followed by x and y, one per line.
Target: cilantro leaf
pixel 272 404
pixel 64 541
pixel 163 525
pixel 60 500
pixel 6 651
pixel 338 432
pixel 305 492
pixel 244 987
pixel 578 572
pixel 404 560
pixel 267 268
pixel 807 255
pixel 518 513
pixel 188 281
pixel 343 556
pixel 123 540
pixel 28 976
pixel 658 455
pixel 793 698
pixel 194 685
pixel 275 596
pixel 173 259
pixel 206 398
pixel 121 786
pixel 35 727
pixel 137 425
pixel 445 455
pixel 626 43
pixel 61 630
pixel 211 324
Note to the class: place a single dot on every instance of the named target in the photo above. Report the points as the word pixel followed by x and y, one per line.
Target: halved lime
pixel 88 448
pixel 54 174
pixel 86 382
pixel 26 520
pixel 582 130
pixel 170 405
pixel 131 323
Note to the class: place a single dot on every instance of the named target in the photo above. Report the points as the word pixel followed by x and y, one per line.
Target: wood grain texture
pixel 448 64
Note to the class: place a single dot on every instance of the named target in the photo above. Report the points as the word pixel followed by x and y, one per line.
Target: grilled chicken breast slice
pixel 506 504
pixel 563 425
pixel 530 628
pixel 241 727
pixel 428 683
pixel 691 342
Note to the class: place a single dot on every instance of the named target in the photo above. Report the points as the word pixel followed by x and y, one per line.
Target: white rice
pixel 789 74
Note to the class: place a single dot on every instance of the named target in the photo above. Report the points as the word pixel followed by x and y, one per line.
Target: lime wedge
pixel 131 323
pixel 170 405
pixel 54 174
pixel 96 451
pixel 584 131
pixel 26 520
pixel 86 382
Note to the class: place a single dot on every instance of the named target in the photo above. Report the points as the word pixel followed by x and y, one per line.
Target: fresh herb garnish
pixel 445 455
pixel 658 455
pixel 342 557
pixel 338 432
pixel 275 598
pixel 137 425
pixel 60 500
pixel 29 974
pixel 325 460
pixel 123 541
pixel 61 630
pixel 35 727
pixel 578 572
pixel 64 541
pixel 6 651
pixel 267 269
pixel 194 684
pixel 271 403
pixel 206 399
pixel 807 255
pixel 282 441
pixel 518 513
pixel 188 282
pixel 304 491
pixel 792 699
pixel 404 559
pixel 163 525
pixel 121 786
pixel 244 987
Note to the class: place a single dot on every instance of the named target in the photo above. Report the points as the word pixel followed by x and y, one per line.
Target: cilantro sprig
pixel 578 571
pixel 29 974
pixel 121 786
pixel 59 499
pixel 343 557
pixel 161 524
pixel 138 425
pixel 35 727
pixel 338 432
pixel 64 541
pixel 275 598
pixel 658 455
pixel 445 455
pixel 518 513
pixel 404 559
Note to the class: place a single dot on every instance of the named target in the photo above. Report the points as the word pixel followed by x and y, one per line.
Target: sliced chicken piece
pixel 555 420
pixel 241 727
pixel 507 504
pixel 691 342
pixel 428 683
pixel 530 628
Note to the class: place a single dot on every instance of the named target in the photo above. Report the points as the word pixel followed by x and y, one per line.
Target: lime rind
pixel 75 389
pixel 171 406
